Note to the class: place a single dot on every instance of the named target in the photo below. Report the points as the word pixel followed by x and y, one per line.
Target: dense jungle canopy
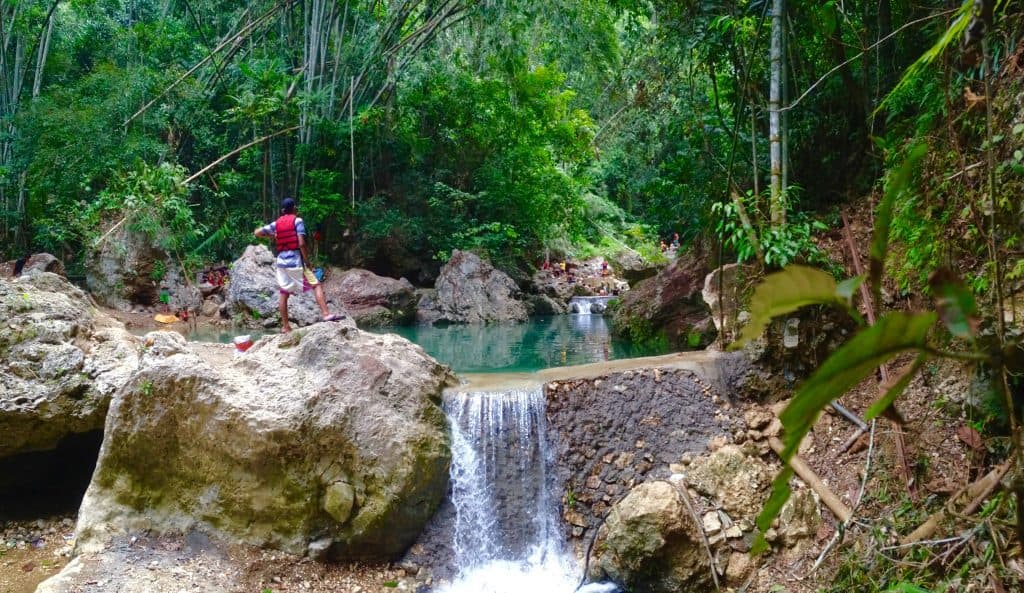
pixel 409 128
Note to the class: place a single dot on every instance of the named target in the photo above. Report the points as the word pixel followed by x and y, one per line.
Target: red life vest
pixel 287 239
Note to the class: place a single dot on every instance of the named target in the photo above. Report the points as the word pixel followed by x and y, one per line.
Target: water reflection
pixel 543 342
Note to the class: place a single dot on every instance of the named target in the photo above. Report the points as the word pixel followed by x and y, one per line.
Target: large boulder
pixel 61 360
pixel 373 300
pixel 253 291
pixel 668 305
pixel 471 290
pixel 38 262
pixel 327 441
pixel 127 270
pixel 632 266
pixel 651 543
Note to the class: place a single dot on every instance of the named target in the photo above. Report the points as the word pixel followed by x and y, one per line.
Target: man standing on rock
pixel 293 277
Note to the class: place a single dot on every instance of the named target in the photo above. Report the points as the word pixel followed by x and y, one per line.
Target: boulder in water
pixel 650 543
pixel 61 361
pixel 632 266
pixel 373 300
pixel 327 437
pixel 471 290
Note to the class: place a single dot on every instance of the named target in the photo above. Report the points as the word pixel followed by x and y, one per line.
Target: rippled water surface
pixel 542 342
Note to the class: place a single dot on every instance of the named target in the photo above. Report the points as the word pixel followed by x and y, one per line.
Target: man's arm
pixel 302 250
pixel 264 231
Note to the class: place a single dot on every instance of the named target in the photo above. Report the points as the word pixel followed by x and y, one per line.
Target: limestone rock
pixel 735 278
pixel 373 300
pixel 630 265
pixel 542 304
pixel 61 360
pixel 127 269
pixel 470 290
pixel 739 568
pixel 253 290
pixel 324 432
pixel 800 517
pixel 668 303
pixel 651 544
pixel 737 481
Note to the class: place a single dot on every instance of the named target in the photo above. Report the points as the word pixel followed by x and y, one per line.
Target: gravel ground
pixel 31 551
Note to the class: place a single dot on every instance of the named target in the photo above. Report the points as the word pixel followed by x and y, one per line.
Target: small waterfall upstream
pixel 586 305
pixel 507 536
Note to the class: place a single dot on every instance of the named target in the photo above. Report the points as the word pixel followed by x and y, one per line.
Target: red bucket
pixel 243 343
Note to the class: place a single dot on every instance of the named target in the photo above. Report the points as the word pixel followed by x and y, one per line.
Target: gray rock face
pixel 629 265
pixel 61 360
pixel 616 431
pixel 327 437
pixel 373 300
pixel 470 290
pixel 651 544
pixel 253 290
pixel 127 270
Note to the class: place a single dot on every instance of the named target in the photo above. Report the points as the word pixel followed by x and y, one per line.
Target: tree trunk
pixel 777 209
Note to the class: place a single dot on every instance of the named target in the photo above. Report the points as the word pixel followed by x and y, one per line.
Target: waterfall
pixel 585 305
pixel 507 536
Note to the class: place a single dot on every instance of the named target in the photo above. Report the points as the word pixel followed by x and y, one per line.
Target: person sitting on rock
pixel 293 277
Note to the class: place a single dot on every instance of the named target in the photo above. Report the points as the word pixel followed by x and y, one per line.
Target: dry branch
pixel 976 493
pixel 838 508
pixel 200 172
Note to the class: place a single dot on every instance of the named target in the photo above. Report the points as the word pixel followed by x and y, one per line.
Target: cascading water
pixel 506 537
pixel 585 305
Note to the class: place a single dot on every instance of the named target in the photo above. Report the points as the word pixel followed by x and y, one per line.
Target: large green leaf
pixel 893 334
pixel 784 292
pixel 955 303
pixel 883 217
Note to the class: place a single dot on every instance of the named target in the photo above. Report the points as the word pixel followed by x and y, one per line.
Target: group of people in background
pixel 673 247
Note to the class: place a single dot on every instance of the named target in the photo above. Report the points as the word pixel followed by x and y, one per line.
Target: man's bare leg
pixel 318 292
pixel 282 307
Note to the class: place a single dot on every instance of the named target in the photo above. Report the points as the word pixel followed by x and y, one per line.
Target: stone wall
pixel 620 430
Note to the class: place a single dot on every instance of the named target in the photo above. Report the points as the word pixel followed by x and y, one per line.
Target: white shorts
pixel 295 280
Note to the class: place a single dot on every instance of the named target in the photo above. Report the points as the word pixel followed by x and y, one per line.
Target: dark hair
pixel 288 205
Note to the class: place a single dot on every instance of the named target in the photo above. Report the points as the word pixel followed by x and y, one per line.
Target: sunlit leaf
pixel 897 385
pixel 847 287
pixel 893 334
pixel 955 303
pixel 784 292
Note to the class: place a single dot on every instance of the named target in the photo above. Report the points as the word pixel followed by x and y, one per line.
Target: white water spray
pixel 507 536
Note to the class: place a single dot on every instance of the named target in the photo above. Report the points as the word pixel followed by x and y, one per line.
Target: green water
pixel 543 342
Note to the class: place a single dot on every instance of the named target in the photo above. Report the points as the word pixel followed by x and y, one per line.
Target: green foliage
pixel 149 200
pixel 781 246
